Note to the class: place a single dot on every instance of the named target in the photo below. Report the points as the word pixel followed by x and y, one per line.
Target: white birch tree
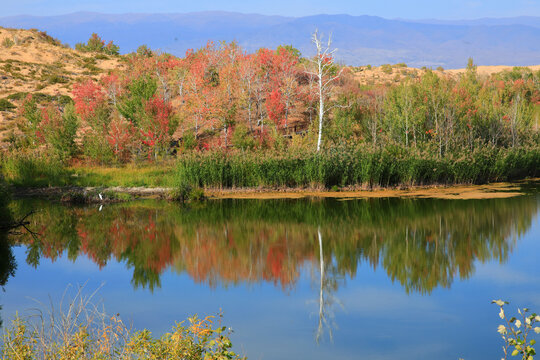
pixel 324 74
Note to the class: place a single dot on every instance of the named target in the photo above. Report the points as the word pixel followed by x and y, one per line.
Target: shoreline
pixel 458 191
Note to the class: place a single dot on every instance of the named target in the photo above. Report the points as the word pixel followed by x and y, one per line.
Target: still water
pixel 311 278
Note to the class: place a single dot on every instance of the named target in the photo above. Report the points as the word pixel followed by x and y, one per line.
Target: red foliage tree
pixel 88 96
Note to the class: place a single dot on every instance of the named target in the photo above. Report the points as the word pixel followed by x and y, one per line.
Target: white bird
pixel 100 197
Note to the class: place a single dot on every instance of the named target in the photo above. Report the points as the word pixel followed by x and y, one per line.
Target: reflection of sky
pixel 379 320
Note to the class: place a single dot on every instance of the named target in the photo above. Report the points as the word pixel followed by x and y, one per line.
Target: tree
pixel 58 130
pixel 248 72
pixel 96 44
pixel 325 74
pixel 284 78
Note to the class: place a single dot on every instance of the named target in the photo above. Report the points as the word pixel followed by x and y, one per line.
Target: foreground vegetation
pixel 517 333
pixel 79 329
pixel 222 118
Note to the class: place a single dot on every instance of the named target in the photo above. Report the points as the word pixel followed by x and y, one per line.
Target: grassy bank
pixel 333 168
pixel 391 166
pixel 27 170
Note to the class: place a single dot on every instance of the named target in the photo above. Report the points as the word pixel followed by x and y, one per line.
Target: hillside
pixel 361 40
pixel 33 62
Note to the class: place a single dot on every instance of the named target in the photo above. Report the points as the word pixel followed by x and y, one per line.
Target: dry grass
pixel 79 328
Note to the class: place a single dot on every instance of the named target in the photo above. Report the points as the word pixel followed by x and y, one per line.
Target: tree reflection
pixel 422 244
pixel 329 280
pixel 7 260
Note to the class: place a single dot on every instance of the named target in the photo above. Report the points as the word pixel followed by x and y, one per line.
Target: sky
pixel 406 9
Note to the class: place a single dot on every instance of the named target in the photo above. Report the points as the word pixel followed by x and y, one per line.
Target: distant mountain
pixel 360 39
pixel 533 21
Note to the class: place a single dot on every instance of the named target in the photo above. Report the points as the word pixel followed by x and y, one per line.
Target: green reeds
pixel 359 166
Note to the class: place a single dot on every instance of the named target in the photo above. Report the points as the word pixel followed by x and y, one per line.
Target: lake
pixel 297 278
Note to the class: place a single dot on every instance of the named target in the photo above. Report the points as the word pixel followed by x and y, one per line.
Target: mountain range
pixel 360 40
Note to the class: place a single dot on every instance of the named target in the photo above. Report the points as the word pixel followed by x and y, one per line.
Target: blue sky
pixel 411 9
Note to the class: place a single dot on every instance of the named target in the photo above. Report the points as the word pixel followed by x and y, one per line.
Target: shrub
pixel 79 330
pixel 7 43
pixel 49 127
pixel 517 333
pixel 386 68
pixel 242 139
pixel 6 105
pixel 96 44
pixel 189 142
pixel 184 192
pixel 58 131
pixel 144 51
pixel 49 39
pixel 56 79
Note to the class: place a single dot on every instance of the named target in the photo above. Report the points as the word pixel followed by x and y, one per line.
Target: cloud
pixel 504 275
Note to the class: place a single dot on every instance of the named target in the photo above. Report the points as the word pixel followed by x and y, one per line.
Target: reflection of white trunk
pixel 321 288
pixel 328 282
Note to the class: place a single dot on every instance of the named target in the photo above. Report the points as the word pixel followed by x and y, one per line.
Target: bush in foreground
pixel 80 330
pixel 517 333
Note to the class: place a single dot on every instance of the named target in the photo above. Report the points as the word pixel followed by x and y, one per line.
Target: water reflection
pixel 7 260
pixel 329 279
pixel 422 244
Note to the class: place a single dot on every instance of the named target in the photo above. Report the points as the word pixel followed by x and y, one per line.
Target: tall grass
pixel 29 169
pixel 339 166
pixel 359 166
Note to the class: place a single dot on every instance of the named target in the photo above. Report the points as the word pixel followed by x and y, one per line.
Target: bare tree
pixel 324 74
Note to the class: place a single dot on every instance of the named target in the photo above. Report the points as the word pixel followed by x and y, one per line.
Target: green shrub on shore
pixel 184 193
pixel 359 166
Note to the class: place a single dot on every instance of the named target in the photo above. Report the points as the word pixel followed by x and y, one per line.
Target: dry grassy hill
pixel 388 74
pixel 33 62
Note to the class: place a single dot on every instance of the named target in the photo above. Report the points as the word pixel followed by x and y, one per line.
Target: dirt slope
pixel 33 62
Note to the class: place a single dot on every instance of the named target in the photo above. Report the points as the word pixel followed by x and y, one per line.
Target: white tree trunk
pixel 321 106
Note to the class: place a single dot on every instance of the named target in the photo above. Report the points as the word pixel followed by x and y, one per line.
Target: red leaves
pixel 120 138
pixel 51 120
pixel 275 107
pixel 112 86
pixel 160 112
pixel 157 126
pixel 87 97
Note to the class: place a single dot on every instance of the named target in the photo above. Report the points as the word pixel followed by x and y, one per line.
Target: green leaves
pixel 517 332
